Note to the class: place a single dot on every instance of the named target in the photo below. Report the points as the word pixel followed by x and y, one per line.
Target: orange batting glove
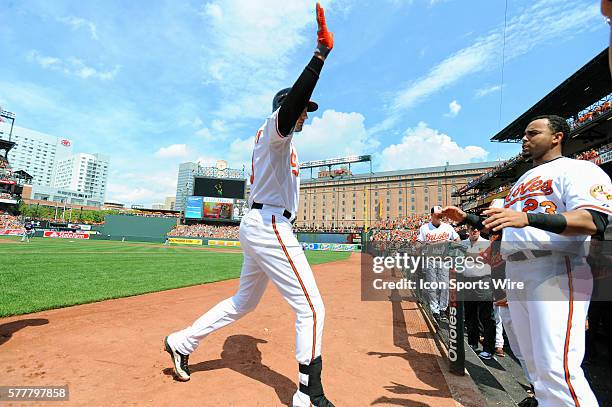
pixel 325 39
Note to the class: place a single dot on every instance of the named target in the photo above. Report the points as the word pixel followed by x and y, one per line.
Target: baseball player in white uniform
pixel 271 251
pixel 548 218
pixel 435 232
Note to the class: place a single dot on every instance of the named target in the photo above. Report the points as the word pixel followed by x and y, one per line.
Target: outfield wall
pixel 136 228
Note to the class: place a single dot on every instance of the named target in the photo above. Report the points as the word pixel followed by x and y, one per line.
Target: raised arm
pixel 297 99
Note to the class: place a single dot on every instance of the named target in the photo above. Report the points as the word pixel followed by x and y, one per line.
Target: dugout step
pixel 500 380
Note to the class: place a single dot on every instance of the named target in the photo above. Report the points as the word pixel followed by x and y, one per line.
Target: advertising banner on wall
pixel 180 240
pixel 65 235
pixel 331 247
pixel 226 243
pixel 11 232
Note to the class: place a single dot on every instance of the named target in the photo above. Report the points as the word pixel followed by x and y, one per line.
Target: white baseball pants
pixel 438 298
pixel 549 317
pixel 504 314
pixel 271 252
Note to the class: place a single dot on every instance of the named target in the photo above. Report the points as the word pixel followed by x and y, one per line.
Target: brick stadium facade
pixel 354 200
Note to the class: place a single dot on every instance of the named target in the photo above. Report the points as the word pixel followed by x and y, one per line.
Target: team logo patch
pixel 601 192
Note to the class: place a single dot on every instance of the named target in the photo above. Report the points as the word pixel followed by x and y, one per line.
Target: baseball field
pixel 50 273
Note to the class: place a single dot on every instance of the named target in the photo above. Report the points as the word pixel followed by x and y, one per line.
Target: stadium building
pixel 359 200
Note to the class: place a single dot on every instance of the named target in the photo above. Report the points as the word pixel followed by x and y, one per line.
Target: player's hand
pixel 453 213
pixel 325 39
pixel 501 303
pixel 500 218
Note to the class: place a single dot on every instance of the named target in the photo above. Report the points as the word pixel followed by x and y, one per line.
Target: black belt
pixel 256 205
pixel 521 256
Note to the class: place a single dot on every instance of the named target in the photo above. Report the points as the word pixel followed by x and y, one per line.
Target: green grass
pixel 49 273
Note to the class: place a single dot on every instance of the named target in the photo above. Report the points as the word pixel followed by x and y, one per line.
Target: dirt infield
pixel 110 353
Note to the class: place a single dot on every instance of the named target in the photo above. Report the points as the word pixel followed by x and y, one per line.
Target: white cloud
pixel 334 134
pixel 140 188
pixel 453 109
pixel 423 146
pixel 128 193
pixel 71 66
pixel 542 21
pixel 173 151
pixel 482 92
pixel 240 152
pixel 249 61
pixel 77 22
pixel 216 132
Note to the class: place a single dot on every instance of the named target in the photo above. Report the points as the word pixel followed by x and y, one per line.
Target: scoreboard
pixel 219 188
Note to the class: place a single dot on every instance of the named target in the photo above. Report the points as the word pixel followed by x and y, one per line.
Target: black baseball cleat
pixel 180 362
pixel 528 402
pixel 314 389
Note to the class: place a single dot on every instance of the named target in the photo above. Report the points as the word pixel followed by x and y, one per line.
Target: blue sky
pixel 154 83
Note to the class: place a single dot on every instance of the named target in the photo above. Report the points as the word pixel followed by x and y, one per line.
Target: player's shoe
pixel 179 361
pixel 485 355
pixel 500 352
pixel 528 402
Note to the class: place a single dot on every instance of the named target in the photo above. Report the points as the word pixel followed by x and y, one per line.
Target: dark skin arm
pixel 579 222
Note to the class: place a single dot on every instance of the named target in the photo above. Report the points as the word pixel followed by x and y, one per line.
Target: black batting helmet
pixel 280 96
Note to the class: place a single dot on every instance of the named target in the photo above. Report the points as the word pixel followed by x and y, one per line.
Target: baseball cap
pixel 280 96
pixel 436 209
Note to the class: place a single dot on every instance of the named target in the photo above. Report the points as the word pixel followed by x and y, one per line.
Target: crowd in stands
pixel 9 222
pixel 404 229
pixel 210 231
pixel 591 114
pixel 6 195
pixel 593 154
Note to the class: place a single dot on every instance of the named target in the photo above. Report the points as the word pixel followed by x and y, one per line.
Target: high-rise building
pixel 58 174
pixel 184 184
pixel 86 173
pixel 36 153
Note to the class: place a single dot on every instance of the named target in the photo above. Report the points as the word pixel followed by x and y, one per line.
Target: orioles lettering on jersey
pixel 530 188
pixel 437 237
pixel 295 168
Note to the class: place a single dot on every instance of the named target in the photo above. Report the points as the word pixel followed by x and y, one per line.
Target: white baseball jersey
pixel 428 233
pixel 560 185
pixel 275 169
pixel 477 249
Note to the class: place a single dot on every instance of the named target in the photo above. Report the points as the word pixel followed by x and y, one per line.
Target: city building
pixel 169 203
pixel 35 153
pixel 58 175
pixel 363 199
pixel 83 173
